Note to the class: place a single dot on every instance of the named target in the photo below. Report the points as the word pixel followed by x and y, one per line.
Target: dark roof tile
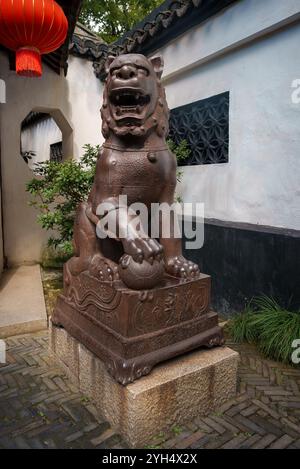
pixel 166 22
pixel 87 44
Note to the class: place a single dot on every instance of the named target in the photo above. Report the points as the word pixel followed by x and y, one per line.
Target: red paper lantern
pixel 31 28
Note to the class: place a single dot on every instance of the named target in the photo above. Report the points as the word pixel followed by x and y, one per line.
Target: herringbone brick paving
pixel 41 408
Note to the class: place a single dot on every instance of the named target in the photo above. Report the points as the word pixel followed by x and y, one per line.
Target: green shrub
pixel 58 190
pixel 182 152
pixel 267 324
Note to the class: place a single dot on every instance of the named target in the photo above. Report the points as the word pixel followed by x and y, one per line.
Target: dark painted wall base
pixel 248 260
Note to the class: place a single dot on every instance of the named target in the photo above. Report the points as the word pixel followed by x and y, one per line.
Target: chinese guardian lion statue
pixel 133 299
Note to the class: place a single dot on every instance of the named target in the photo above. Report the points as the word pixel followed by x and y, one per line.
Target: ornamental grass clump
pixel 265 323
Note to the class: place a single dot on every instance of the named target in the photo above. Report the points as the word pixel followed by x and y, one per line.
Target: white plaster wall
pixel 86 92
pixel 232 27
pixel 37 139
pixel 260 184
pixel 78 97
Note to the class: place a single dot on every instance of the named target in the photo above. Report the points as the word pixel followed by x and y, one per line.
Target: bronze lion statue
pixel 129 295
pixel 135 162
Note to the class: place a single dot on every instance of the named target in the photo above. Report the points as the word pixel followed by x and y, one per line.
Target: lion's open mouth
pixel 129 102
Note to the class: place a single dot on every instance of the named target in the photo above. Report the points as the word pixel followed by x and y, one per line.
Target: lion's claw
pixel 178 266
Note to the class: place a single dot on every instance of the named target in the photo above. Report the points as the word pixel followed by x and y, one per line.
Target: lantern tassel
pixel 28 62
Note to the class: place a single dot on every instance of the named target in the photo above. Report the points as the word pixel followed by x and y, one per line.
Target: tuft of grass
pixel 177 430
pixel 241 327
pixel 85 399
pixel 55 257
pixel 218 414
pixel 157 441
pixel 152 447
pixel 265 323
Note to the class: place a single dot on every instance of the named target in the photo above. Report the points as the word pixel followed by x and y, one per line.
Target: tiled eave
pixel 168 21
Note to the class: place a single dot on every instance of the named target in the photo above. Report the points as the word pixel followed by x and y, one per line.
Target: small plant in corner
pixel 268 325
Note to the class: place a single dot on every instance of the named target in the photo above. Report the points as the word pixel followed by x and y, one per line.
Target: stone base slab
pixel 174 393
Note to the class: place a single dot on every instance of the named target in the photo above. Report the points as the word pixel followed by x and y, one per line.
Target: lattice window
pixel 205 126
pixel 56 153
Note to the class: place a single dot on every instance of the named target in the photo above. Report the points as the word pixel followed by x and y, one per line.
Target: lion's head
pixel 134 101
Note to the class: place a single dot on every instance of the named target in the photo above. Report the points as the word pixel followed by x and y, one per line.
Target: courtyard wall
pixel 74 102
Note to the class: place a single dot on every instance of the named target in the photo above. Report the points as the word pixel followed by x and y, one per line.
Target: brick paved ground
pixel 40 408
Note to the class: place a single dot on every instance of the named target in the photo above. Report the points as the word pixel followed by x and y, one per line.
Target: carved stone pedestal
pixel 175 392
pixel 131 331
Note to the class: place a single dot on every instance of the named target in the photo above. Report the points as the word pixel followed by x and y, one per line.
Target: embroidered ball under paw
pixel 140 276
